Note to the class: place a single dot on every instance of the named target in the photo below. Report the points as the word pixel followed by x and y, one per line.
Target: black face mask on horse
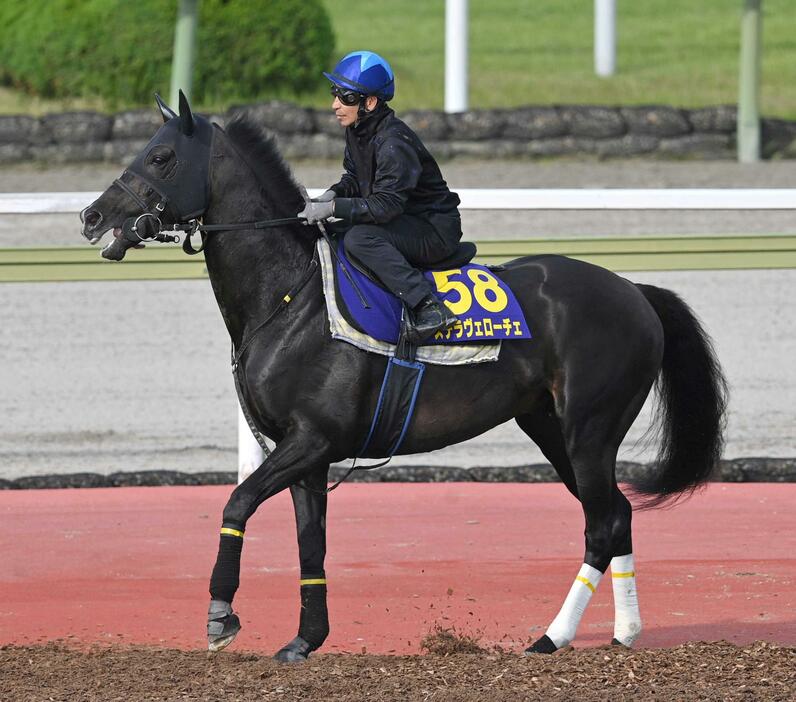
pixel 167 182
pixel 600 344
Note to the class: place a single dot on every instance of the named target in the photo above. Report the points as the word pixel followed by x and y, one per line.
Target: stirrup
pixel 223 625
pixel 417 336
pixel 416 333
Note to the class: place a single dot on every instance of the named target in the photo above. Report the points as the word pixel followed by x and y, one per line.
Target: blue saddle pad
pixel 485 305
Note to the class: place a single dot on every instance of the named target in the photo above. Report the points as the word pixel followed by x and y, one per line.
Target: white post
pixel 455 56
pixel 182 62
pixel 605 37
pixel 250 453
pixel 748 130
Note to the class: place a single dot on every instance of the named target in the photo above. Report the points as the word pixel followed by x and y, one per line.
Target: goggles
pixel 348 97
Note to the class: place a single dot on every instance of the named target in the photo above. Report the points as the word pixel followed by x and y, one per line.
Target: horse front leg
pixel 298 455
pixel 309 504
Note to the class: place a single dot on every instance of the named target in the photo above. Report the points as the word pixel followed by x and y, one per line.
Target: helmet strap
pixel 362 111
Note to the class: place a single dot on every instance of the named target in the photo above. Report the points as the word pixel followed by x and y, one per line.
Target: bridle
pixel 184 193
pixel 131 225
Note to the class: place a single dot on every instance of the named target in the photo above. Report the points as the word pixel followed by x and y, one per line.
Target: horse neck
pixel 250 270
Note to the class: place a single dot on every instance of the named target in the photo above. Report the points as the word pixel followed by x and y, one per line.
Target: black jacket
pixel 389 172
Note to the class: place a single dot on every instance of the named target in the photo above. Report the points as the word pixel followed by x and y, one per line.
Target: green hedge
pixel 120 50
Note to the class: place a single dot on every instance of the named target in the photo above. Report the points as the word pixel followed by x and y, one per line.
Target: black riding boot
pixel 429 317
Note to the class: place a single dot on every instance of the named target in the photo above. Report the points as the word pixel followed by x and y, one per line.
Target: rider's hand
pixel 328 196
pixel 317 212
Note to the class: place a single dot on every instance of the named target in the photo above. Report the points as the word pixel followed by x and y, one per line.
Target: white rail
pixel 504 199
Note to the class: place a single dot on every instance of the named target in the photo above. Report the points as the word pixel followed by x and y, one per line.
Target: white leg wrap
pixel 627 619
pixel 564 626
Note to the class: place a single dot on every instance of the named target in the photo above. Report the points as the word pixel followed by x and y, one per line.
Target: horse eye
pixel 159 160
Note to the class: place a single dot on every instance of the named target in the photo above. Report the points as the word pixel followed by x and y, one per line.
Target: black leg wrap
pixel 226 574
pixel 543 645
pixel 314 620
pixel 313 623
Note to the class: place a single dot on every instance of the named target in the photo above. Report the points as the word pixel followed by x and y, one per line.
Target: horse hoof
pixel 297 651
pixel 543 645
pixel 617 642
pixel 223 625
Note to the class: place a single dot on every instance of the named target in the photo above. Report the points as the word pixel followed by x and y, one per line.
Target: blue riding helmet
pixel 366 73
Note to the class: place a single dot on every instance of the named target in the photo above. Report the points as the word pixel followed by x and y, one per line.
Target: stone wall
pixel 527 132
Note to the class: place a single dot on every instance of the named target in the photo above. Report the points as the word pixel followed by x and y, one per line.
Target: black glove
pixel 328 196
pixel 317 212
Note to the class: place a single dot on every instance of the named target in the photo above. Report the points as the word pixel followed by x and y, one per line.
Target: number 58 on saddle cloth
pixel 487 309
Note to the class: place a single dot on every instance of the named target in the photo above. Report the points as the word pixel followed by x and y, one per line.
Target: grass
pixel 677 52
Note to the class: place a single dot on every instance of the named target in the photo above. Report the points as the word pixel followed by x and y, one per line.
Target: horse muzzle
pixel 92 224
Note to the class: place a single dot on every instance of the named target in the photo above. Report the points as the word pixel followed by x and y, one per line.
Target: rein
pixel 157 232
pixel 191 227
pixel 263 224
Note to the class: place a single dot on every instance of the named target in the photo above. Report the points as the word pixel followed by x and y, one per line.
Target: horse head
pixel 166 184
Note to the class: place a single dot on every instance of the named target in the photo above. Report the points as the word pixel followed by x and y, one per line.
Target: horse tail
pixel 692 399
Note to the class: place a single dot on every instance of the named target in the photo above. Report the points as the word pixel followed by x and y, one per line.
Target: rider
pixel 392 197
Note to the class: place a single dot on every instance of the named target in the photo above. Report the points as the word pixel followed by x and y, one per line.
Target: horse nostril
pixel 92 218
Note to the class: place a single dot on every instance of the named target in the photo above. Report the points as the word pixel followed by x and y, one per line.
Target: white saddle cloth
pixel 439 354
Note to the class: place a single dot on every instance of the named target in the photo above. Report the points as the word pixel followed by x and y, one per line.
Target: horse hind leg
pixel 607 514
pixel 627 616
pixel 544 428
pixel 590 476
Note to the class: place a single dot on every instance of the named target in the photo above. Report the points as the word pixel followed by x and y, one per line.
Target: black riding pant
pixel 392 250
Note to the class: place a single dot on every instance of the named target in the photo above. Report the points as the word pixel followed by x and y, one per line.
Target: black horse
pixel 600 343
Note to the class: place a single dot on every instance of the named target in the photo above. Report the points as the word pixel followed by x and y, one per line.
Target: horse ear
pixel 165 110
pixel 186 117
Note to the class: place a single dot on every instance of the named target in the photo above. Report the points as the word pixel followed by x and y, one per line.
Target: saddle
pixel 464 253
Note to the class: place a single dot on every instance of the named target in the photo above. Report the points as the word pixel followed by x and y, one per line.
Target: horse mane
pixel 260 152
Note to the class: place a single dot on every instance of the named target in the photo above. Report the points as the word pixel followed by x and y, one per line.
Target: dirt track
pixel 698 671
pixel 98 376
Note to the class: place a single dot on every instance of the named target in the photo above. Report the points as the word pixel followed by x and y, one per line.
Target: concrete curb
pixel 737 470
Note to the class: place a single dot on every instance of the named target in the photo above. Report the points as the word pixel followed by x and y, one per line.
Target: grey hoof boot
pixel 222 625
pixel 297 651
